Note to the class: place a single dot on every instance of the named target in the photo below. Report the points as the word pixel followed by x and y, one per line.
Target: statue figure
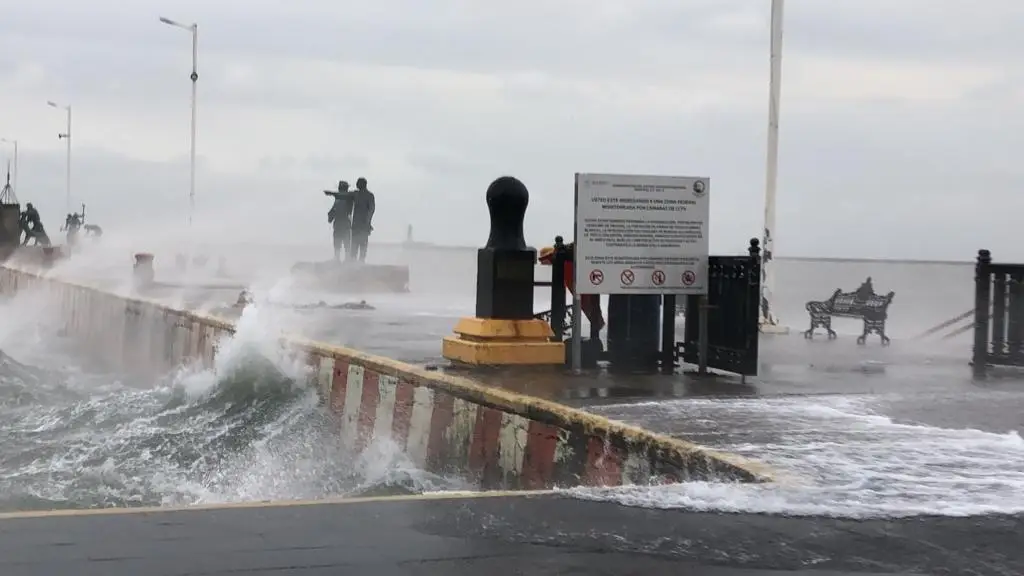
pixel 340 216
pixel 72 224
pixel 244 299
pixel 363 206
pixel 32 225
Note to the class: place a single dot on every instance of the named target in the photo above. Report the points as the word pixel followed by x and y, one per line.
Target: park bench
pixel 873 310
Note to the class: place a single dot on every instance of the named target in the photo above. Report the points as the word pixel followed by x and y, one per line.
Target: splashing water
pixel 246 430
pixel 838 457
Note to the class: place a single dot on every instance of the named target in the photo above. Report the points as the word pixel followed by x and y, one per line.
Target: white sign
pixel 641 234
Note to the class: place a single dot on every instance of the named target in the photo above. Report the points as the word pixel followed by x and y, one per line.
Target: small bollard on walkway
pixel 142 272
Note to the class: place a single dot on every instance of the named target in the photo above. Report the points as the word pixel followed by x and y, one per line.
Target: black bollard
pixel 142 272
pixel 634 322
pixel 504 330
pixel 49 257
pixel 505 266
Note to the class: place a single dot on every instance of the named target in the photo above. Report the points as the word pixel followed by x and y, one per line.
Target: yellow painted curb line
pixel 275 504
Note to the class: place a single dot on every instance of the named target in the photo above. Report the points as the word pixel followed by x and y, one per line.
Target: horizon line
pixel 837 259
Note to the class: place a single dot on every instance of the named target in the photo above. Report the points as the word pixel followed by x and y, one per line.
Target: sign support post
pixel 577 304
pixel 577 336
pixel 702 343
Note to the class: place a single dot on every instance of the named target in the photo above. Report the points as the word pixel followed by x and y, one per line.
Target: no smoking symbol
pixel 658 277
pixel 689 278
pixel 627 277
pixel 596 277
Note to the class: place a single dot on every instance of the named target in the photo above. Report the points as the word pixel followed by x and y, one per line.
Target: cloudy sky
pixel 901 135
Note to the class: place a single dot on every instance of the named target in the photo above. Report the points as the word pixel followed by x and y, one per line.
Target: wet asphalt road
pixel 501 535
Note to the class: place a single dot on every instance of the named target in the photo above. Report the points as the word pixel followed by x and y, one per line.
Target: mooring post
pixel 142 271
pixel 982 302
pixel 558 290
pixel 49 258
pixel 503 331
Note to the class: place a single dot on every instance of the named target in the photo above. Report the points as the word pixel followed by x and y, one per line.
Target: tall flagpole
pixel 769 321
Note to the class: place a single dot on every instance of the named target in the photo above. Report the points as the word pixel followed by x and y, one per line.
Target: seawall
pixel 447 424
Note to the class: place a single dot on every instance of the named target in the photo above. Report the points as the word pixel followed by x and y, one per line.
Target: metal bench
pixel 873 310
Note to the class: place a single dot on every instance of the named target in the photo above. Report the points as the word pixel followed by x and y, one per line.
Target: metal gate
pixel 733 308
pixel 998 336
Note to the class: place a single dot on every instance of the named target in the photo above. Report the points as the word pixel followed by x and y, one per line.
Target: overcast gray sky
pixel 902 128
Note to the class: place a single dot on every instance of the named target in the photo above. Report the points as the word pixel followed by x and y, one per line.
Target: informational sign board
pixel 641 234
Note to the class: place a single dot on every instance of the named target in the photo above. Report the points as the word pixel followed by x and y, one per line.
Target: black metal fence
pixel 732 312
pixel 559 315
pixel 999 336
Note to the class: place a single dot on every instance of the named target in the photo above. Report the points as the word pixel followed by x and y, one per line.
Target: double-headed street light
pixel 14 178
pixel 194 29
pixel 67 169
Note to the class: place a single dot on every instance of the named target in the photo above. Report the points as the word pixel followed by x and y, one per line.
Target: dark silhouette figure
pixel 32 225
pixel 72 224
pixel 340 216
pixel 364 205
pixel 866 290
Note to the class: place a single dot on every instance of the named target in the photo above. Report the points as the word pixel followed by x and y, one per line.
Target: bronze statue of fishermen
pixel 340 217
pixel 363 206
pixel 32 225
pixel 72 224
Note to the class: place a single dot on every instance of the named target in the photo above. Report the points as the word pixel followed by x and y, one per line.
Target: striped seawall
pixel 446 424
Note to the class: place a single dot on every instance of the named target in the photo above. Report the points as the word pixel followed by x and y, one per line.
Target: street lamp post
pixel 194 29
pixel 66 136
pixel 15 177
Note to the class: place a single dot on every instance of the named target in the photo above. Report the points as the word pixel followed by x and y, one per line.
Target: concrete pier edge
pixel 632 442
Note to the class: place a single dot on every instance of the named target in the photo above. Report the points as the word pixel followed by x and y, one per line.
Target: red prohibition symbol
pixel 596 277
pixel 627 277
pixel 689 278
pixel 658 277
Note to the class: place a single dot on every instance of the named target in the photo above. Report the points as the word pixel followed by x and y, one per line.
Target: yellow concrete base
pixel 503 353
pixel 488 342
